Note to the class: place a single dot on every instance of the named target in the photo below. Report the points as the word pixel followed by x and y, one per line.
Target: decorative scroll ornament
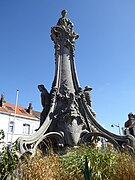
pixel 70 119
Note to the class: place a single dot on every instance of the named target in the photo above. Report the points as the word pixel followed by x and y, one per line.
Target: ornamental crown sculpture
pixel 67 118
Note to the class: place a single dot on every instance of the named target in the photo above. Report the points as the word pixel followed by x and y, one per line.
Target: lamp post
pixel 17 94
pixel 118 126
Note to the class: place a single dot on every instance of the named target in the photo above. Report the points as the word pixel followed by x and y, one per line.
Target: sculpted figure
pixel 131 121
pixel 88 99
pixel 45 101
pixel 87 95
pixel 65 22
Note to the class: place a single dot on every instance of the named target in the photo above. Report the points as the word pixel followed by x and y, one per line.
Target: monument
pixel 70 119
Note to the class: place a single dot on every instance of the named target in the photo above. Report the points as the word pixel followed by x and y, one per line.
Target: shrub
pixel 102 164
pixel 8 158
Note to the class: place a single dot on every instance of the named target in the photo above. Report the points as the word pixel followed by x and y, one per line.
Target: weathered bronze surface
pixel 71 119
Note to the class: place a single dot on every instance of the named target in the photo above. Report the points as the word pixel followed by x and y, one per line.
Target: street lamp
pixel 16 102
pixel 118 126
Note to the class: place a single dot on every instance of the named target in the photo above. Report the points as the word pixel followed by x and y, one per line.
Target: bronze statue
pixel 45 101
pixel 88 99
pixel 87 95
pixel 67 118
pixel 65 22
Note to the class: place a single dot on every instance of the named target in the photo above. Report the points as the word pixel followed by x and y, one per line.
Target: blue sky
pixel 105 52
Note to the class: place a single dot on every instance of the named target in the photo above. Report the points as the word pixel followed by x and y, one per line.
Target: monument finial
pixel 65 22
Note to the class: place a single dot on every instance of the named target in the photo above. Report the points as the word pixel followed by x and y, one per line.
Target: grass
pixel 107 165
pixel 125 166
pixel 104 165
pixel 40 167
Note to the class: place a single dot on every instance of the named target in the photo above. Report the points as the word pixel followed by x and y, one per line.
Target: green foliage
pixel 101 163
pixel 104 165
pixel 8 159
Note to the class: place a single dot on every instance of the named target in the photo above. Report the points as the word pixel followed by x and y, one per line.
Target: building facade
pixel 17 121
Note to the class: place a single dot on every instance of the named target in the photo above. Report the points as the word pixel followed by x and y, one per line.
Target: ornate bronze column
pixel 70 120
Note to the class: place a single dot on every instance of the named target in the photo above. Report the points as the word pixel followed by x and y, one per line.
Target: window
pixel 22 111
pixel 26 128
pixel 11 127
pixel 10 108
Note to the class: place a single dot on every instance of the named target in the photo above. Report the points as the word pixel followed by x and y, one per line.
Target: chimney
pixel 2 100
pixel 29 110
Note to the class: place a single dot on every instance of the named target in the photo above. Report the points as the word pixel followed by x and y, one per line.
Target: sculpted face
pixel 40 87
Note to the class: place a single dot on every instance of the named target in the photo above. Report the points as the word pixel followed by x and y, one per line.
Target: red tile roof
pixel 20 110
